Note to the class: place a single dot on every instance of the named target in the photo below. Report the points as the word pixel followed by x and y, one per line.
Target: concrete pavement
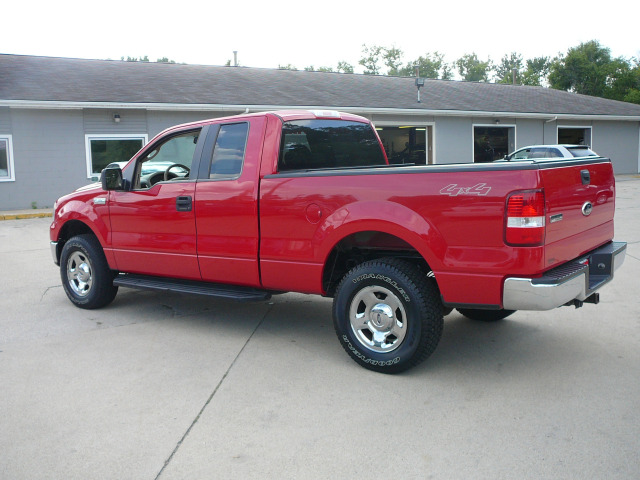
pixel 178 387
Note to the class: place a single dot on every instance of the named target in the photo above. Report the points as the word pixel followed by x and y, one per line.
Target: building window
pixel 7 173
pixel 492 143
pixel 105 149
pixel 574 136
pixel 407 144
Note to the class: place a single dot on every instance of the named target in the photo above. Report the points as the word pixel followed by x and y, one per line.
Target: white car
pixel 550 151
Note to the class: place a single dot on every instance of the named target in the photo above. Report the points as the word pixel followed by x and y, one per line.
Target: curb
pixel 22 216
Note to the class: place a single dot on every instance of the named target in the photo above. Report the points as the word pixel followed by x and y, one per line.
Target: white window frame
pixel 414 124
pixel 493 125
pixel 108 136
pixel 11 177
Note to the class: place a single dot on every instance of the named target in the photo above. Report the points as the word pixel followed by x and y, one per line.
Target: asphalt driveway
pixel 178 387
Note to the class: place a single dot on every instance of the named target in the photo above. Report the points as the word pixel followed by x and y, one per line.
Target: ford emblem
pixel 587 208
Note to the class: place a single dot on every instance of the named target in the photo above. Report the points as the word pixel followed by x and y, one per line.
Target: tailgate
pixel 580 198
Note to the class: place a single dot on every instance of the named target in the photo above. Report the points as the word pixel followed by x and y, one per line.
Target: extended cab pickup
pixel 247 206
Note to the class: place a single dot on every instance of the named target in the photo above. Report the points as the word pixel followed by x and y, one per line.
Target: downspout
pixel 544 130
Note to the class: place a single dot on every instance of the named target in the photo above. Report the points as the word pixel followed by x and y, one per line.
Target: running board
pixel 217 290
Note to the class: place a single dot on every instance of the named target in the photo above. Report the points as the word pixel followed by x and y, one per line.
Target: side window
pixel 522 154
pixel 554 153
pixel 312 144
pixel 228 152
pixel 538 153
pixel 168 160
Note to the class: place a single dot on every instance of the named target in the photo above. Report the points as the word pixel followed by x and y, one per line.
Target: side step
pixel 230 292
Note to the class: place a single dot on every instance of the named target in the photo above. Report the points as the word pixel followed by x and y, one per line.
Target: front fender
pixel 83 209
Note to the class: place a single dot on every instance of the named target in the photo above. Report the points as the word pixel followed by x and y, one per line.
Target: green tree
pixel 432 65
pixel 392 59
pixel 311 68
pixel 587 69
pixel 135 59
pixel 344 67
pixel 374 57
pixel 624 81
pixel 371 58
pixel 146 59
pixel 472 69
pixel 633 92
pixel 509 63
pixel 536 72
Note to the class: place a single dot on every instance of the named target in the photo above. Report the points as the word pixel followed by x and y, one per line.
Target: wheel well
pixel 361 247
pixel 70 230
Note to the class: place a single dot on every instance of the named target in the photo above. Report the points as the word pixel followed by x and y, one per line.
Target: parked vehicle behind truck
pixel 249 206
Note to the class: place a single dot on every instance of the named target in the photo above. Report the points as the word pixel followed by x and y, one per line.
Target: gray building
pixel 62 120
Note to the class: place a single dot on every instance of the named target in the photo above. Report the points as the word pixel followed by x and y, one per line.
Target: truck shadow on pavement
pixel 304 323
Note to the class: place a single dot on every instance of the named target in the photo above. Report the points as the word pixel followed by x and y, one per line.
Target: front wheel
pixel 388 315
pixel 85 273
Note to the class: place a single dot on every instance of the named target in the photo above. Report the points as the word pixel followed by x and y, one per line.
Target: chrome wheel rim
pixel 378 319
pixel 79 273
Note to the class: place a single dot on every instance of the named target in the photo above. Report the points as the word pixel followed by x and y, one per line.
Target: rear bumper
pixel 575 280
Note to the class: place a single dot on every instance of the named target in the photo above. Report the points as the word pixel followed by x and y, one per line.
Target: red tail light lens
pixel 525 218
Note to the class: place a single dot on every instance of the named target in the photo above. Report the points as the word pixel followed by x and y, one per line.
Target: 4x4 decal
pixel 454 190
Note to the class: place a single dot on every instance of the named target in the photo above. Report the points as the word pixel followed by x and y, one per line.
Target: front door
pixel 153 224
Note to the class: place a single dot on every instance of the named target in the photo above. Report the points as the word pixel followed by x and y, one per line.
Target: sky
pixel 319 33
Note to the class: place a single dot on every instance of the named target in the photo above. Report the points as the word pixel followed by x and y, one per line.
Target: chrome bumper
pixel 575 280
pixel 54 252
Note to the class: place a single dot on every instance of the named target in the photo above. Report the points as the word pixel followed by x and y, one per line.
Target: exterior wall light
pixel 116 117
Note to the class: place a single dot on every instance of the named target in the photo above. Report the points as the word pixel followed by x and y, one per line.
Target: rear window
pixel 581 152
pixel 313 144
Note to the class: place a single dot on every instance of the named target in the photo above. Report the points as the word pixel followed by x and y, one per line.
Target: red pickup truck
pixel 248 206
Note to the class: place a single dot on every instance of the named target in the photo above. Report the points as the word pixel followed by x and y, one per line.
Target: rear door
pixel 226 202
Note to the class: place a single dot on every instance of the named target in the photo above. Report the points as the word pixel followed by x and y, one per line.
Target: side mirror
pixel 111 178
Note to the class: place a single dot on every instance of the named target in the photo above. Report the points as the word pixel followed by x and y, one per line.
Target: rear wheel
pixel 485 315
pixel 388 315
pixel 85 273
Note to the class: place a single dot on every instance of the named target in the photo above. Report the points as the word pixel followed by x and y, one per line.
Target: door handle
pixel 586 177
pixel 184 204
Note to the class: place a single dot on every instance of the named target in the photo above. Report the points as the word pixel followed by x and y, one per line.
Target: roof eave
pixel 207 107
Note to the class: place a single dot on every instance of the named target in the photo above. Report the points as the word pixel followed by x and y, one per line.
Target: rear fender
pixel 385 217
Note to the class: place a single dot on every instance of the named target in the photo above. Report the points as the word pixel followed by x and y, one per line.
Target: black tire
pixel 388 315
pixel 86 277
pixel 485 315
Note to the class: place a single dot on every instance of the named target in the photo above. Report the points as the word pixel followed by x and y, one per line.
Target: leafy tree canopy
pixel 505 69
pixel 536 72
pixel 589 69
pixel 472 69
pixel 431 65
pixel 146 59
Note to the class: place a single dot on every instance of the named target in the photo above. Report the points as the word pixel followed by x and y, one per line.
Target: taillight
pixel 525 218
